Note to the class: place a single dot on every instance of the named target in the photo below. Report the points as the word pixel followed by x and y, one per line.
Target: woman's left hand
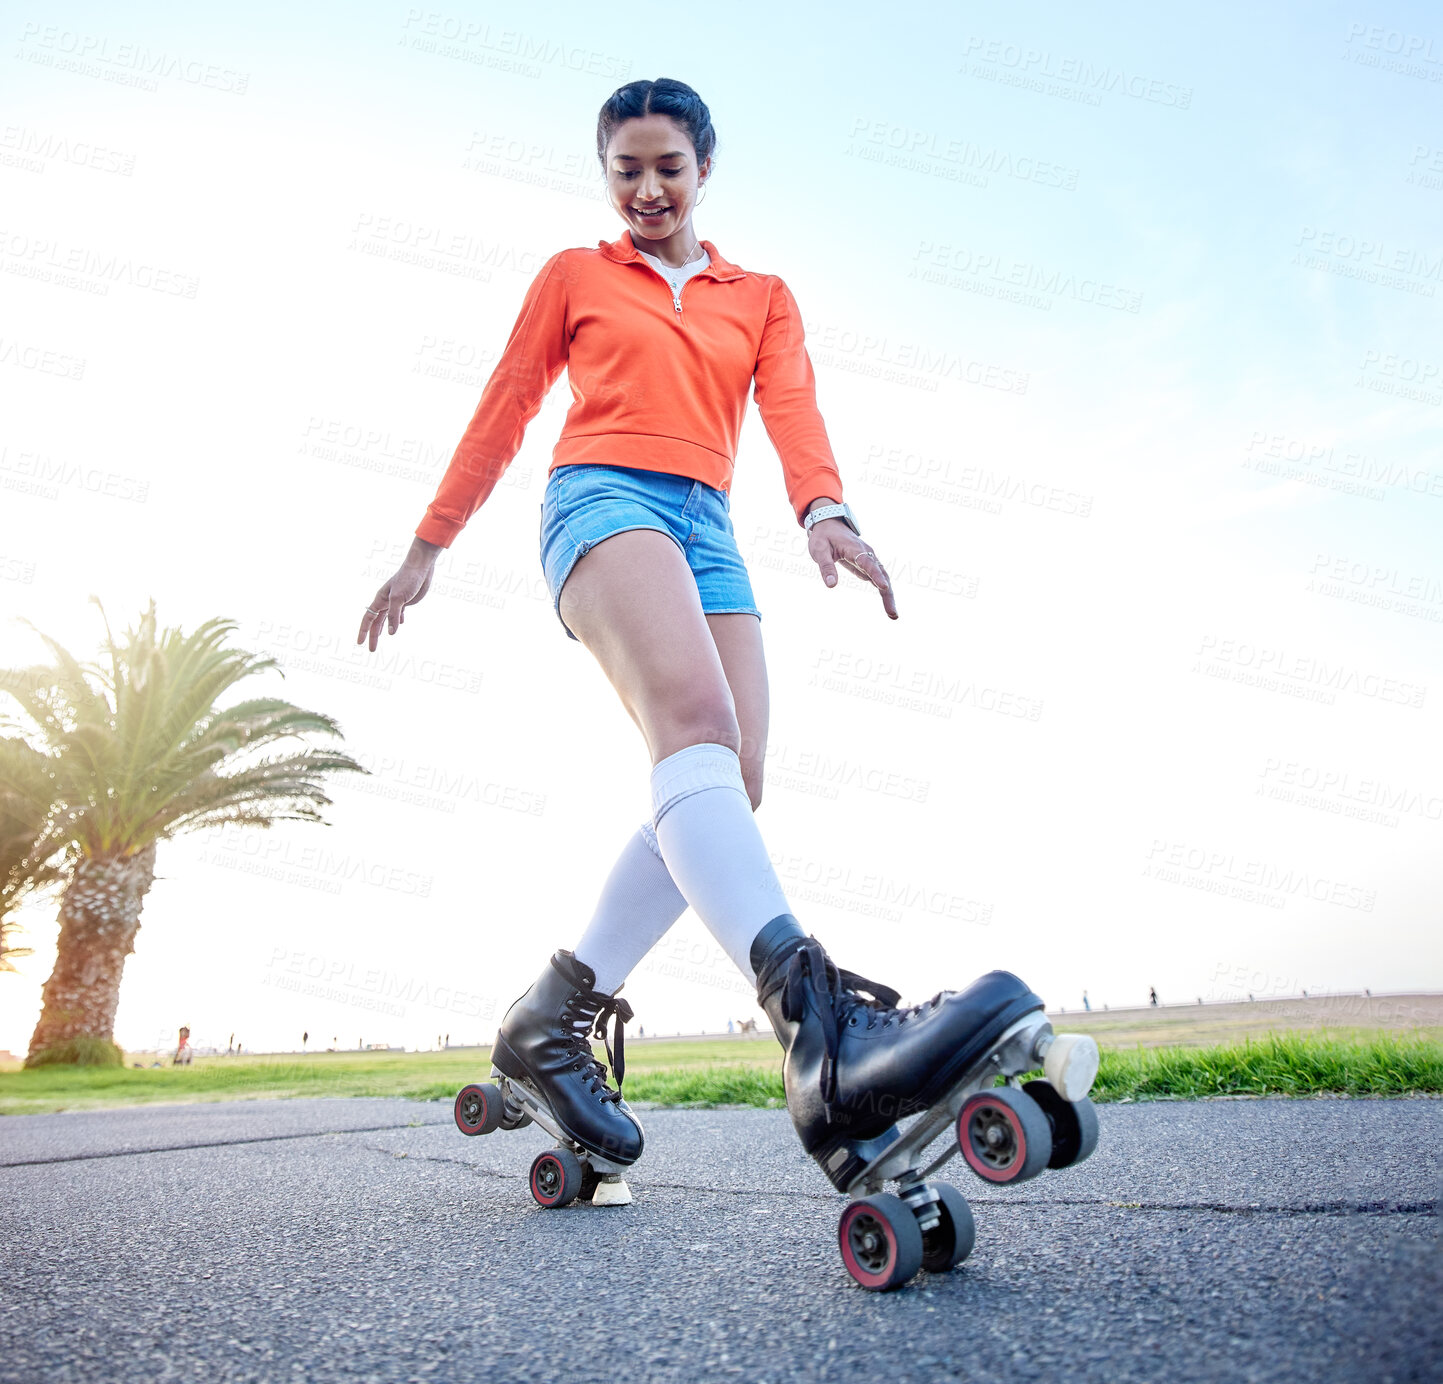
pixel 832 542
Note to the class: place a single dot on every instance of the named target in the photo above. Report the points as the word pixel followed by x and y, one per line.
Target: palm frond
pixel 137 748
pixel 32 854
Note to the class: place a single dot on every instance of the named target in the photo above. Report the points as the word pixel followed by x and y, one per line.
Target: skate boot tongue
pixel 811 974
pixel 586 1012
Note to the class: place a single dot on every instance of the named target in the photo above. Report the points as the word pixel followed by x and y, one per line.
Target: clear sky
pixel 1126 331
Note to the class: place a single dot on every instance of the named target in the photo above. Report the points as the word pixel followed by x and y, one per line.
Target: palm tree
pixel 125 753
pixel 22 822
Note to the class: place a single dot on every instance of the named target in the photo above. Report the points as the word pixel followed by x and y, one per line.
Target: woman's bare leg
pixel 633 602
pixel 639 901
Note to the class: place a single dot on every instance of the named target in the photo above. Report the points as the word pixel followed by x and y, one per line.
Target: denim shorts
pixel 586 502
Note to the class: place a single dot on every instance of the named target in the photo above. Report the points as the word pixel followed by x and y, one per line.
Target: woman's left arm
pixel 785 388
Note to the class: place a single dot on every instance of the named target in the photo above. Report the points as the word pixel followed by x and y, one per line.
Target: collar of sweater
pixel 623 249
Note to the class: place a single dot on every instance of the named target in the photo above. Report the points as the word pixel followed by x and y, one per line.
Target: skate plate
pixel 522 1098
pixel 1020 1048
pixel 1005 1134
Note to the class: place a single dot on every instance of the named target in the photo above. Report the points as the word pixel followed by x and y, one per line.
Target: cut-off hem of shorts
pixel 734 610
pixel 583 546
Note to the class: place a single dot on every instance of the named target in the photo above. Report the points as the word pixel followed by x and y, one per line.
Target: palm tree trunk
pixel 99 917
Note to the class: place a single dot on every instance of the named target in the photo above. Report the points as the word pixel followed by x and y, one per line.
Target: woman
pixel 643 567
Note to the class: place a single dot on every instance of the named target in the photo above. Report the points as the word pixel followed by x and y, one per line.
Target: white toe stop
pixel 612 1191
pixel 1071 1065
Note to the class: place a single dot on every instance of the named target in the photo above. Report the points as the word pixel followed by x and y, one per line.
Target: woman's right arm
pixel 535 354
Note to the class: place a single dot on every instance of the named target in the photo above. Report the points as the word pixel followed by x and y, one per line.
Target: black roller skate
pixel 543 1069
pixel 856 1064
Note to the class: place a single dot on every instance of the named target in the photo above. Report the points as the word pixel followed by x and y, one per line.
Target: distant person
pixel 1086 1003
pixel 183 1053
pixel 305 1038
pixel 230 1045
pixel 731 1027
pixel 1152 995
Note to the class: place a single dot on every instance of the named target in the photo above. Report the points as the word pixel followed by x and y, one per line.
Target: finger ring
pixel 374 610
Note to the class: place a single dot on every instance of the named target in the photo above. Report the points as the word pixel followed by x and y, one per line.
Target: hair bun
pixel 664 96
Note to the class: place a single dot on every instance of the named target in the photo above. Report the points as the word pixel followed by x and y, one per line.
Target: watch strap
pixel 842 511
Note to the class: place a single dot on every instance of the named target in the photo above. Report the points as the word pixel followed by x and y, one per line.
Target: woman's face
pixel 651 167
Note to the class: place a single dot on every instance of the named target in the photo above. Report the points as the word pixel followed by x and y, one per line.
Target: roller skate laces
pixel 841 997
pixel 586 1013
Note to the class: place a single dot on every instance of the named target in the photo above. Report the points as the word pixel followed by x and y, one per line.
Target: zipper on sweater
pixel 676 297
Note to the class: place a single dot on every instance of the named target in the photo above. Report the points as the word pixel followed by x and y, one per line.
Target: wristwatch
pixel 842 512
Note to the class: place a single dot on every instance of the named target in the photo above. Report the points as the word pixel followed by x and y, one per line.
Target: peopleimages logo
pixel 905 362
pixel 896 468
pixel 370 987
pixel 310 866
pixel 1362 797
pixel 339 656
pixel 447 35
pixel 1052 73
pixel 131 64
pixel 1250 880
pixel 1240 660
pixel 924 150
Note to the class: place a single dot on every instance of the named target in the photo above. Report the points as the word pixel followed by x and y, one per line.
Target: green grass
pixel 417 1075
pixel 1286 1064
pixel 741 1072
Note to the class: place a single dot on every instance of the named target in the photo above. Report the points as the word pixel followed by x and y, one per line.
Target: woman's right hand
pixel 387 609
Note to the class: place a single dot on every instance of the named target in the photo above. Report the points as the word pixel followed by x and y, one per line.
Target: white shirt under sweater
pixel 670 273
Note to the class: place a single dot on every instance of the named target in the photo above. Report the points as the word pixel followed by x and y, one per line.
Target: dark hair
pixel 666 97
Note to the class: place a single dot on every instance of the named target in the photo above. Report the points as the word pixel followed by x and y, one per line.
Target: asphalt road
pixel 1240 1240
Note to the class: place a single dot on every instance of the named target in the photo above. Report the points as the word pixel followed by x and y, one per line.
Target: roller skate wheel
pixel 478 1109
pixel 556 1178
pixel 611 1191
pixel 1074 1124
pixel 950 1241
pixel 880 1241
pixel 1071 1065
pixel 1003 1135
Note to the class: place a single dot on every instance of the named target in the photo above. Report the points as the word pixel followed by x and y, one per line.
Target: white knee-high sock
pixel 638 903
pixel 713 847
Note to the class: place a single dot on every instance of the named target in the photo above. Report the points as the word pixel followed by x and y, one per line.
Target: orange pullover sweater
pixel 656 383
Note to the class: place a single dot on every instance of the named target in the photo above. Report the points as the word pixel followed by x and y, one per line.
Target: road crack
pixel 212 1144
pixel 1321 1208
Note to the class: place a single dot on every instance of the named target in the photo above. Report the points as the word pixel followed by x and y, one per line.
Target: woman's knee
pixel 696 725
pixel 751 772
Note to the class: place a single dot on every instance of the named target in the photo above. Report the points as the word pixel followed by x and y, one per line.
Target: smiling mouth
pixel 651 215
